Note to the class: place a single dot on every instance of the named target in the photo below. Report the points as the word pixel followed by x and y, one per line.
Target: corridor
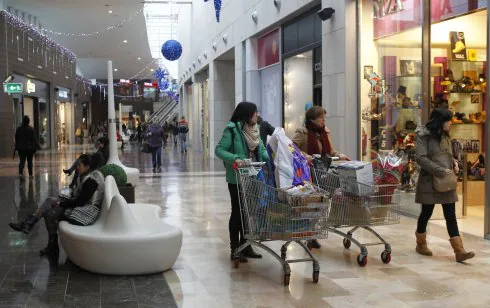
pixel 192 192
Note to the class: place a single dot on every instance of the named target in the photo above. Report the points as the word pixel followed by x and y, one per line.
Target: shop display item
pixel 355 174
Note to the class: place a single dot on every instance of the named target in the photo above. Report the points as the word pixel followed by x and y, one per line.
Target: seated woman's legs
pixel 51 219
pixel 72 168
pixel 27 224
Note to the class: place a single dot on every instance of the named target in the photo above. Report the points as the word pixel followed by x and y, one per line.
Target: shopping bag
pixel 146 148
pixel 290 166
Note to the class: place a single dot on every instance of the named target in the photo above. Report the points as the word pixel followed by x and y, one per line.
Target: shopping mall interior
pixel 232 153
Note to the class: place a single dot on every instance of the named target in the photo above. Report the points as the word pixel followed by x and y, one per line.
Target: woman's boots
pixel 422 247
pixel 234 247
pixel 52 250
pixel 26 225
pixel 456 242
pixel 461 254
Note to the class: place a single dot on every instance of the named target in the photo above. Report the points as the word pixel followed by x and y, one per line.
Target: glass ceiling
pixel 162 22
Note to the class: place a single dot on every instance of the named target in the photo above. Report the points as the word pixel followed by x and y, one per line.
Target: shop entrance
pixel 63 124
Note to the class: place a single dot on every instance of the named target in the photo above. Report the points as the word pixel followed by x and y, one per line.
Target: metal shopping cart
pixel 358 206
pixel 271 214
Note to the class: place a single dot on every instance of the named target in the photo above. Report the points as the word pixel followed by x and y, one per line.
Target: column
pixel 240 88
pixel 339 72
pixel 252 74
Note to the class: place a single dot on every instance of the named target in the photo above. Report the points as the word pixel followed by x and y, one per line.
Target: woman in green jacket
pixel 240 141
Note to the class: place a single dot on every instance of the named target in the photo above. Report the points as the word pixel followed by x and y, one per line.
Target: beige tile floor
pixel 204 276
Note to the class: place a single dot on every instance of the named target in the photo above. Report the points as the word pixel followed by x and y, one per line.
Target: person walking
pixel 314 138
pixel 81 210
pixel 434 155
pixel 155 137
pixel 183 130
pixel 175 132
pixel 240 141
pixel 266 129
pixel 26 144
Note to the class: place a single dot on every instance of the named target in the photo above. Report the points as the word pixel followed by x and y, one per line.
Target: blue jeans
pixel 156 157
pixel 183 142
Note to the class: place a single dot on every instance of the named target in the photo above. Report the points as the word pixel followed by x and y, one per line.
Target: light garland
pixel 36 35
pixel 81 34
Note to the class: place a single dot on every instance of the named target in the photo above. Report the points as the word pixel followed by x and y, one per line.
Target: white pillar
pixel 120 120
pixel 132 173
pixel 3 4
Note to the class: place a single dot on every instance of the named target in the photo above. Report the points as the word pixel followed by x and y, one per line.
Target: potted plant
pixel 125 189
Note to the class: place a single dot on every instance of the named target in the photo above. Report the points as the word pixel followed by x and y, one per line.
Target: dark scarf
pixel 313 147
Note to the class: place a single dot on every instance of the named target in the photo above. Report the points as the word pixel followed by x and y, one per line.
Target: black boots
pixel 26 225
pixel 250 253
pixel 313 244
pixel 52 250
pixel 234 247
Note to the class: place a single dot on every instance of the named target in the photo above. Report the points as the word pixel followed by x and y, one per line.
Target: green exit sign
pixel 12 88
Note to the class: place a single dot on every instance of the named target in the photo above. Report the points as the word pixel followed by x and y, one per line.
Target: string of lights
pixel 97 32
pixel 35 34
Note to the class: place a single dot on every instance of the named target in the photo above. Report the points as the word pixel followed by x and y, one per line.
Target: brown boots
pixel 456 242
pixel 461 254
pixel 422 244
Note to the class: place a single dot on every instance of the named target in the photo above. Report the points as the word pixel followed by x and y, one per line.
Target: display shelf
pixel 465 92
pixel 463 124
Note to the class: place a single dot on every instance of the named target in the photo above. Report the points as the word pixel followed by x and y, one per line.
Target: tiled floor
pixel 193 194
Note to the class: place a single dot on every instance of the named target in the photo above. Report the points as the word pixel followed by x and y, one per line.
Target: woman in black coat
pixel 26 145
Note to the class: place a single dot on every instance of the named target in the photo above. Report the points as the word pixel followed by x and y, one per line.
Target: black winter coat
pixel 25 139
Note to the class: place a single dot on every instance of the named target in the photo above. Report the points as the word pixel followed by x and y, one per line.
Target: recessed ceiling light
pixel 139 58
pixel 110 12
pixel 125 41
pixel 152 70
pixel 115 70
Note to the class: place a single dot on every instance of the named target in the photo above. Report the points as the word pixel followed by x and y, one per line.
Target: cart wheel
pixel 347 243
pixel 287 277
pixel 316 275
pixel 386 257
pixel 362 260
pixel 236 262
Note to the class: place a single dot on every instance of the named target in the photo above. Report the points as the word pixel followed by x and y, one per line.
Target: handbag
pixel 447 183
pixel 146 148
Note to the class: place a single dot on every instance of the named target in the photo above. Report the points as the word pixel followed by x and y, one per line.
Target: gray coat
pixel 432 164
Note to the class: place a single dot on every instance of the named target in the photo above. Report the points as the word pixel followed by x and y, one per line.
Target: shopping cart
pixel 271 214
pixel 358 206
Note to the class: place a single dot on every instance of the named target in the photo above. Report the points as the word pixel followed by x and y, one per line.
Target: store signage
pixel 63 94
pixel 383 8
pixel 148 84
pixel 12 88
pixel 31 86
pixel 268 48
pixel 124 81
pixel 318 67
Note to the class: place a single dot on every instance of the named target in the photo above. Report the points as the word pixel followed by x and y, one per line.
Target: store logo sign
pixel 31 87
pixel 383 8
pixel 63 94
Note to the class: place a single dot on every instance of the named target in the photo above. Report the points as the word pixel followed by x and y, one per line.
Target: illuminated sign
pixel 124 81
pixel 31 87
pixel 63 94
pixel 383 8
pixel 148 84
pixel 12 88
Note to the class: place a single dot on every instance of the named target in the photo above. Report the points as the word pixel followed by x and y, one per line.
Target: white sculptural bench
pixel 126 239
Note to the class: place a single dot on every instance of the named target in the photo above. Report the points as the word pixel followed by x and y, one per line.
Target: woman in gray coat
pixel 432 141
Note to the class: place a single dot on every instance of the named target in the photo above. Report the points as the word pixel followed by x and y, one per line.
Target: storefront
pixel 302 63
pixel 65 126
pixel 415 56
pixel 33 102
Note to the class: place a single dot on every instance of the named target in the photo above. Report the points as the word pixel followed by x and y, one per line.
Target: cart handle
pixel 248 163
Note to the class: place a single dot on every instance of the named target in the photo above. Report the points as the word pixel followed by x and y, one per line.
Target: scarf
pixel 252 136
pixel 313 147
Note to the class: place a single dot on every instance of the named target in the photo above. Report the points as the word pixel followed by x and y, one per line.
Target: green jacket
pixel 230 153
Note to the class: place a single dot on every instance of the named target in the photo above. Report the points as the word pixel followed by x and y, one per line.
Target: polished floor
pixel 193 193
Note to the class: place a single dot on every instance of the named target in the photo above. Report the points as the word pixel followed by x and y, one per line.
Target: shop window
pixel 303 32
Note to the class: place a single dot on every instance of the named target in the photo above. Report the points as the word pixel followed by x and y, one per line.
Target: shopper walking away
pixel 175 132
pixel 183 130
pixel 314 138
pixel 240 141
pixel 266 129
pixel 434 155
pixel 26 145
pixel 155 136
pixel 82 210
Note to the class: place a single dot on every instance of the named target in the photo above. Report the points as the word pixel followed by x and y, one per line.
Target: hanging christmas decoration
pixel 217 7
pixel 172 50
pixel 162 75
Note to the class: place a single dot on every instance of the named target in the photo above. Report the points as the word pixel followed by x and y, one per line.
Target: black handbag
pixel 146 148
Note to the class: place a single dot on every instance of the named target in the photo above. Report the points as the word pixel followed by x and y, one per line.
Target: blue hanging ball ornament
pixel 172 50
pixel 217 7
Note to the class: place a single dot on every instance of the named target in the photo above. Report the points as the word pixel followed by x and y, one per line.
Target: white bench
pixel 126 239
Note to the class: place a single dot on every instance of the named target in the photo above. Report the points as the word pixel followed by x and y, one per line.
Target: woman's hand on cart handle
pixel 343 157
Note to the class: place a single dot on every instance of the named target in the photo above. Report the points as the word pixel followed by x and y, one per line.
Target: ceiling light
pixel 300 56
pixel 125 41
pixel 110 12
pixel 139 58
pixel 151 70
pixel 115 70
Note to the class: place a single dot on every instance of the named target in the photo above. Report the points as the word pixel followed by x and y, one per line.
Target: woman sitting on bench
pixel 82 210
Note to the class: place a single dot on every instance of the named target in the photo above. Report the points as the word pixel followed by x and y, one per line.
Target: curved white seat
pixel 133 175
pixel 127 239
